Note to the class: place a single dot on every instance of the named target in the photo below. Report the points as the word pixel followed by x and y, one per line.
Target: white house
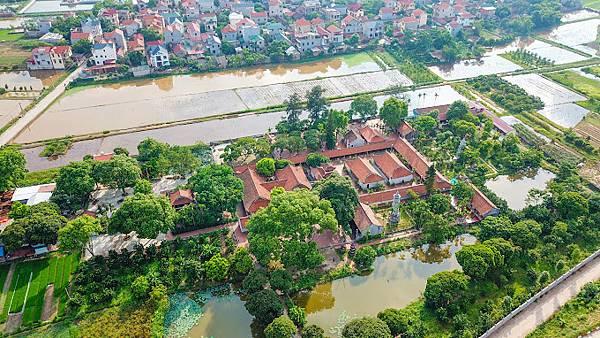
pixel 174 33
pixel 392 168
pixel 103 53
pixel 34 194
pixel 55 57
pixel 158 56
pixel 275 8
pixel 92 26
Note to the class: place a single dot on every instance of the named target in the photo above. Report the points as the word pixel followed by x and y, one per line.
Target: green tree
pixel 290 215
pixel 147 215
pixel 393 112
pixel 337 121
pixel 281 280
pixel 255 281
pixel 150 35
pixel 13 236
pixel 153 158
pixel 457 110
pixel 12 167
pixel 478 260
pixel 77 233
pixel 439 203
pixel 313 331
pixel 140 287
pixel 266 167
pixel 276 50
pixel 396 320
pixel 74 185
pixel 424 124
pixel 134 58
pixel 241 261
pixel 244 149
pixel 571 205
pixel 316 104
pixel 366 327
pixel 343 197
pixel 82 46
pixel 119 172
pixel 182 161
pixel 364 106
pixel 312 138
pixel 280 327
pixel 293 110
pixel 315 160
pixel 297 315
pixel 216 268
pixel 525 234
pixel 463 193
pixel 445 292
pixel 142 187
pixel 264 305
pixel 218 189
pixel 365 257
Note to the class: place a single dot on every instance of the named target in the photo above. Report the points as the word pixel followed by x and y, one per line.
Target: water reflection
pixel 396 280
pixel 515 189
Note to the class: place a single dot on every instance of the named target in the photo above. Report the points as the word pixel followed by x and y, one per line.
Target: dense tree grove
pixel 36 224
pixel 510 96
pixel 343 197
pixel 148 215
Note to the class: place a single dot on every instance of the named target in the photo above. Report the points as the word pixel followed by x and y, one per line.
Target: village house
pixel 421 17
pixel 364 173
pixel 33 195
pixel 118 38
pixel 393 169
pixel 275 8
pixel 180 198
pixel 351 26
pixel 78 36
pixel 92 26
pixel 158 56
pixel 387 13
pixel 103 53
pixel 365 222
pixel 443 10
pixel 174 33
pixel 332 14
pixel 109 14
pixel 372 29
pixel 55 57
pixel 130 27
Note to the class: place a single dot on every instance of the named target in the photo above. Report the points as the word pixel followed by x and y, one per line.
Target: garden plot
pixel 558 100
pixel 577 35
pixel 486 65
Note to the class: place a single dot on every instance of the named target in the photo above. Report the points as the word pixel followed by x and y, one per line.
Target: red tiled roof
pixel 442 110
pixel 80 35
pixel 405 129
pixel 181 197
pixel 334 29
pixel 417 161
pixel 363 171
pixel 481 204
pixel 371 135
pixel 228 29
pixel 103 157
pixel 354 7
pixel 418 12
pixel 364 217
pixel 302 22
pixel 292 177
pixel 391 166
pixel 335 153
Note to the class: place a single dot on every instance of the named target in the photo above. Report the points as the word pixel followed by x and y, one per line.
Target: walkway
pixel 38 109
pixel 541 310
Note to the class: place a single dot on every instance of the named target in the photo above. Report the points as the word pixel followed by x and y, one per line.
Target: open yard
pixel 11 53
pixel 29 283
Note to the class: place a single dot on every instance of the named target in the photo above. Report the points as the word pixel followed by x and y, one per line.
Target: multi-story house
pixel 118 38
pixel 331 14
pixel 206 6
pixel 110 14
pixel 211 43
pixel 306 42
pixel 92 26
pixel 351 25
pixel 275 8
pixel 131 26
pixel 421 17
pixel 260 18
pixel 386 13
pixel 443 10
pixel 174 33
pixel 158 56
pixel 302 26
pixel 103 53
pixel 50 57
pixel 208 21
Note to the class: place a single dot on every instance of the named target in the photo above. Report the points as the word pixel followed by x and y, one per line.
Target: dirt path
pixel 6 287
pixel 541 310
pixel 49 309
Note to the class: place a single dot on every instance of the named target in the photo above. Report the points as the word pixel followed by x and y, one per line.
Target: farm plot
pixel 29 283
pixel 558 100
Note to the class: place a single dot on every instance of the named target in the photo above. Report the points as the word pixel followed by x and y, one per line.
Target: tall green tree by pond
pixel 12 167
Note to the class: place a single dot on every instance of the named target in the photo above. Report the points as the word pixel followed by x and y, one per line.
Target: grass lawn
pixel 15 48
pixel 39 177
pixel 54 270
pixel 588 87
pixel 595 4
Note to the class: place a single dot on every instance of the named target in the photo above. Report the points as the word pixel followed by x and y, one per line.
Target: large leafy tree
pixel 478 260
pixel 218 189
pixel 316 104
pixel 119 172
pixel 36 224
pixel 264 306
pixel 283 230
pixel 244 149
pixel 393 112
pixel 457 110
pixel 148 215
pixel 366 327
pixel 364 106
pixel 12 167
pixel 153 157
pixel 73 186
pixel 75 235
pixel 343 197
pixel 293 110
pixel 445 292
pixel 216 268
pixel 571 205
pixel 280 327
pixel 337 121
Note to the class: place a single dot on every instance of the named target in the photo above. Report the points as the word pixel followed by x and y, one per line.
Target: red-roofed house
pixel 181 198
pixel 76 36
pixel 364 173
pixel 481 206
pixel 443 10
pixel 421 16
pixel 355 9
pixel 418 162
pixel 103 157
pixel 49 57
pixel 365 222
pixel 386 13
pixel 393 169
pixel 259 17
pixel 371 135
pixel 302 26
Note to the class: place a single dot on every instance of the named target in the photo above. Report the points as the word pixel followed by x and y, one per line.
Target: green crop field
pixel 27 296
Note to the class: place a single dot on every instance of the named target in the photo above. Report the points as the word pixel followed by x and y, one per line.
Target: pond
pixel 486 65
pixel 515 189
pixel 397 280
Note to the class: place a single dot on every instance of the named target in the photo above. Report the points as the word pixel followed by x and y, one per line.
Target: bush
pixel 281 327
pixel 366 327
pixel 255 281
pixel 281 280
pixel 280 164
pixel 266 167
pixel 589 292
pixel 395 319
pixel 265 306
pixel 365 257
pixel 297 315
pixel 313 331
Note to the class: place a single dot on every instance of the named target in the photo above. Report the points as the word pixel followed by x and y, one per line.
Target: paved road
pixel 39 108
pixel 539 312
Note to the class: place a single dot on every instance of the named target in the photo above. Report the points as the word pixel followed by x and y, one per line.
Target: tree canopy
pixel 364 106
pixel 12 167
pixel 393 112
pixel 75 235
pixel 74 185
pixel 343 197
pixel 366 327
pixel 119 172
pixel 148 215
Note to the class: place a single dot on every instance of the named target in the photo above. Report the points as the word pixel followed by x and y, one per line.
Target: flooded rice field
pixel 557 55
pixel 515 189
pixel 559 101
pixel 55 6
pixel 216 130
pixel 579 35
pixel 9 109
pixel 471 68
pixel 578 15
pixel 146 102
pixel 396 280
